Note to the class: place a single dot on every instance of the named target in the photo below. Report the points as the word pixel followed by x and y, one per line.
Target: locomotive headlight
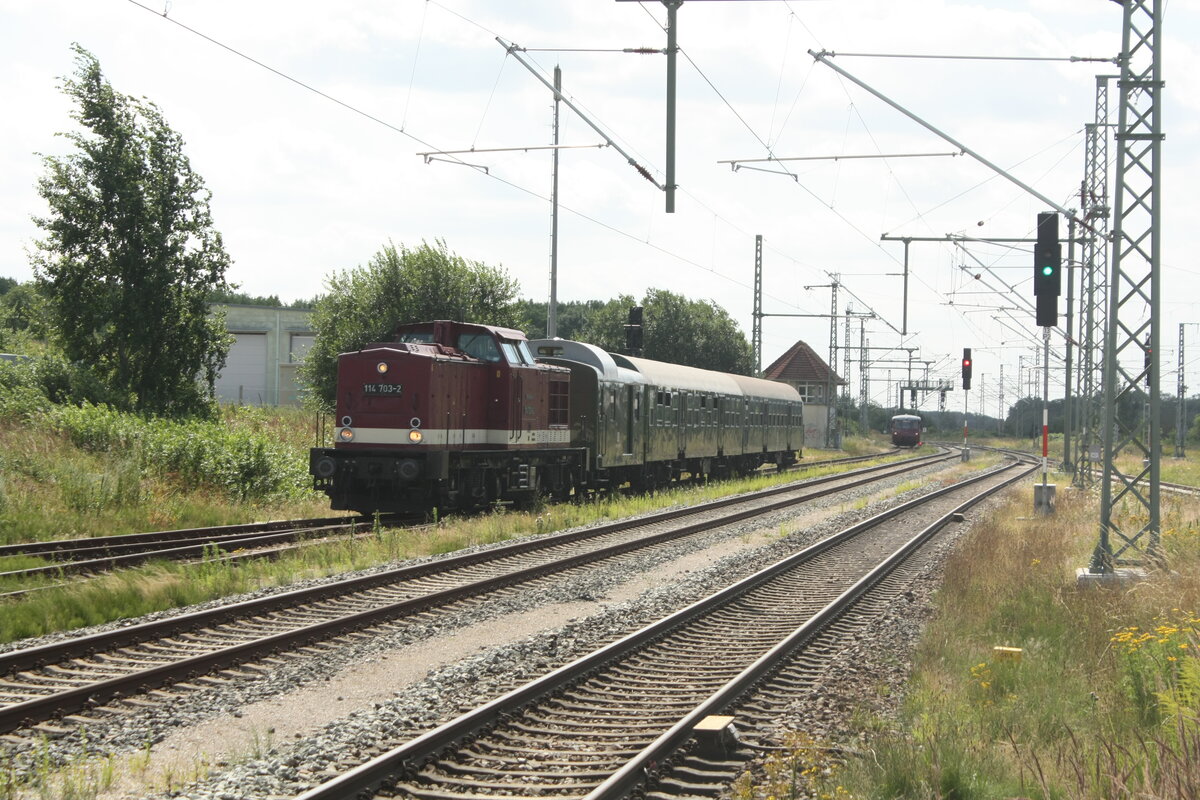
pixel 325 468
pixel 415 436
pixel 346 434
pixel 381 367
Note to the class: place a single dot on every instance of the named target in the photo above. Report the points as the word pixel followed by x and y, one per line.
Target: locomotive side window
pixel 559 401
pixel 479 345
pixel 416 338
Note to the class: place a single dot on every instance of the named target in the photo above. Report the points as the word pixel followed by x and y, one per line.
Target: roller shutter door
pixel 244 379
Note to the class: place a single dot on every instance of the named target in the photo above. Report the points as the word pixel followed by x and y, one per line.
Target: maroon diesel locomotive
pixel 457 415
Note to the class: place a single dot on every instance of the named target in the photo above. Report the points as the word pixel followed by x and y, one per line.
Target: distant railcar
pixel 905 430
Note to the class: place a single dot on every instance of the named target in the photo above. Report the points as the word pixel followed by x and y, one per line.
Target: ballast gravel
pixel 366 692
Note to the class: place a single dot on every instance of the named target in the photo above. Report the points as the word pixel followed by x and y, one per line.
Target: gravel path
pixel 276 735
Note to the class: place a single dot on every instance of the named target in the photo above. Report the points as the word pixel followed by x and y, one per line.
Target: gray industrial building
pixel 269 343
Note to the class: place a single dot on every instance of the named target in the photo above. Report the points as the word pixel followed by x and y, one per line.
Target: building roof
pixel 801 364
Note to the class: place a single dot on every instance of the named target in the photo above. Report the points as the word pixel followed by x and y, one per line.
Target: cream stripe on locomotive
pixel 434 437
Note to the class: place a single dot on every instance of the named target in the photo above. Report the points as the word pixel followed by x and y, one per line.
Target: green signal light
pixel 1047 270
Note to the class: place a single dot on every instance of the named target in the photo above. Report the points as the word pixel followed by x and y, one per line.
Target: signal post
pixel 1047 286
pixel 966 378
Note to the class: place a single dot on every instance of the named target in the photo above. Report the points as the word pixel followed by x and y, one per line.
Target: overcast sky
pixel 306 181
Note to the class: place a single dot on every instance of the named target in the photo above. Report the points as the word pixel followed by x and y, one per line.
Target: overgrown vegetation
pixel 71 465
pixel 1103 703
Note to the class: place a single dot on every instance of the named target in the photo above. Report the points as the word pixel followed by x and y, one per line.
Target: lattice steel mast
pixel 1093 287
pixel 1129 503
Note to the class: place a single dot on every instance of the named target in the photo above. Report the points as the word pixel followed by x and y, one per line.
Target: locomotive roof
pixel 905 416
pixel 504 333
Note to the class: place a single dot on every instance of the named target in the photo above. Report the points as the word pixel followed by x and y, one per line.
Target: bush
pixel 34 385
pixel 242 464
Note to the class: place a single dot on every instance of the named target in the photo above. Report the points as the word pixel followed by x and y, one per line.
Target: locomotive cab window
pixel 479 345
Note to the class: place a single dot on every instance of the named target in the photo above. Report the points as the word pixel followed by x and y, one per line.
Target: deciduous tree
pixel 131 255
pixel 696 333
pixel 399 285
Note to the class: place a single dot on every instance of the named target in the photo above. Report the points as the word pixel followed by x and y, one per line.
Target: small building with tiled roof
pixel 802 368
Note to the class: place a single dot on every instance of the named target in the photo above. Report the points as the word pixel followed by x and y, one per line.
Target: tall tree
pixel 572 316
pixel 399 285
pixel 696 333
pixel 130 255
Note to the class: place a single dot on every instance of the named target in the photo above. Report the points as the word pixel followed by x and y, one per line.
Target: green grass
pixel 1105 701
pixel 80 472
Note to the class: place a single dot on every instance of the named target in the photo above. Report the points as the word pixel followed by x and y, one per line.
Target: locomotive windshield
pixel 906 424
pixel 517 353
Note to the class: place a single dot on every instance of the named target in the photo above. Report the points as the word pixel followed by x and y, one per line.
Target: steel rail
pixel 99 554
pixel 36 656
pixel 636 769
pixel 384 768
pixel 183 534
pixel 20 714
pixel 199 549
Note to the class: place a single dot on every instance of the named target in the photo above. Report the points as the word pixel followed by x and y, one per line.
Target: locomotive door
pixel 499 403
pixel 516 412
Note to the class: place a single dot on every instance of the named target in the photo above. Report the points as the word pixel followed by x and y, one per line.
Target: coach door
pixel 719 416
pixel 631 402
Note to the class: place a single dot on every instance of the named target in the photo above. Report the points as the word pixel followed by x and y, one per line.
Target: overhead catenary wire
pixel 402 131
pixel 961 57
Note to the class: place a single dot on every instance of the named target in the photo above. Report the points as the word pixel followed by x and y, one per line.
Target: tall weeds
pixel 1105 700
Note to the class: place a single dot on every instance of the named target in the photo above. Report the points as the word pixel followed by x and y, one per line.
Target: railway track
pixel 100 554
pixel 89 556
pixel 622 716
pixel 1179 488
pixel 71 681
